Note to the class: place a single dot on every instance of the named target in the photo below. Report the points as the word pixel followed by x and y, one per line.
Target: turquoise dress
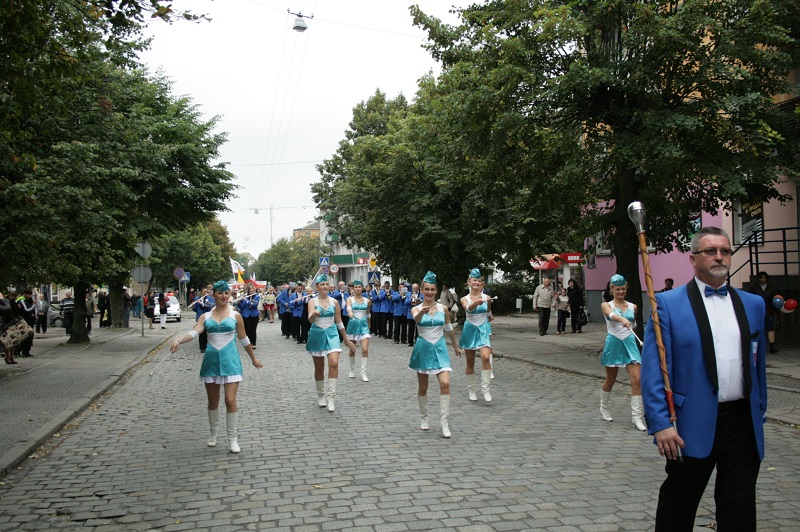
pixel 620 349
pixel 323 337
pixel 430 350
pixel 221 362
pixel 357 327
pixel 477 331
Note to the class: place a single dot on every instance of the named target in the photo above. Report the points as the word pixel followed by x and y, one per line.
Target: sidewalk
pixel 42 394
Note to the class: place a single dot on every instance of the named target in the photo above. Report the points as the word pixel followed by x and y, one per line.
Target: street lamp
pixel 299 24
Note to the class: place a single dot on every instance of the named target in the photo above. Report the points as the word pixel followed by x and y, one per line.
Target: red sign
pixel 571 258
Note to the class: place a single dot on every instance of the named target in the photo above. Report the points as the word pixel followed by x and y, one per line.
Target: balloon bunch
pixel 786 306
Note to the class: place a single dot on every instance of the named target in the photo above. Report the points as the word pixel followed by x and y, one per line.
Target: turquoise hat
pixel 475 273
pixel 430 278
pixel 322 278
pixel 618 280
pixel 357 282
pixel 221 286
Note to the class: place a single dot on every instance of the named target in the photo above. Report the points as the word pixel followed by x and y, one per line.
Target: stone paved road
pixel 537 457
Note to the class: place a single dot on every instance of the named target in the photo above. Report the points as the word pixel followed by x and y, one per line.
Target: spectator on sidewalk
pixel 8 311
pixel 42 314
pixel 27 309
pixel 668 283
pixel 102 307
pixel 450 301
pixel 150 307
pixel 163 304
pixel 562 308
pixel 543 302
pixel 576 304
pixel 222 366
pixel 136 305
pixel 67 311
pixel 90 310
pixel 768 292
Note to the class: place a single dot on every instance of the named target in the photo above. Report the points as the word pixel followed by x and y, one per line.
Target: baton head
pixel 636 213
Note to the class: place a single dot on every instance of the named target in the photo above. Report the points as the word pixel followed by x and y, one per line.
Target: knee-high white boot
pixel 486 376
pixel 352 367
pixel 444 412
pixel 364 369
pixel 472 381
pixel 231 425
pixel 491 364
pixel 321 393
pixel 605 404
pixel 331 394
pixel 213 421
pixel 423 411
pixel 637 412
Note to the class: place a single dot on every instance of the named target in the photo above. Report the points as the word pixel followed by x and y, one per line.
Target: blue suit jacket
pixel 692 368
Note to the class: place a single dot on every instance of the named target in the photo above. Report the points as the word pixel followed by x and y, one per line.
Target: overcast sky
pixel 285 98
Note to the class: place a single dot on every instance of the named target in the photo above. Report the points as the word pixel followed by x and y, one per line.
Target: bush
pixel 507 294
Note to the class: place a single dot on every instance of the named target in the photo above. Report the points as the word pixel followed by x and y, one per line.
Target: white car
pixel 173 309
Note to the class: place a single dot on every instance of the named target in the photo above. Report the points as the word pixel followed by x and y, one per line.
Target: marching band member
pixel 222 366
pixel 430 356
pixel 248 308
pixel 358 327
pixel 341 295
pixel 284 312
pixel 414 299
pixel 323 340
pixel 202 304
pixel 401 303
pixel 296 303
pixel 476 336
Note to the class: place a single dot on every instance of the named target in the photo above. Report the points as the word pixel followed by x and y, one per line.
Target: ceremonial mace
pixel 636 213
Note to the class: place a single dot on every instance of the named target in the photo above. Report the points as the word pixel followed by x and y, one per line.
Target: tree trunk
pixel 116 303
pixel 626 242
pixel 79 334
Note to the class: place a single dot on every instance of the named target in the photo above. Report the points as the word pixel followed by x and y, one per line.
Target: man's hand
pixel 668 442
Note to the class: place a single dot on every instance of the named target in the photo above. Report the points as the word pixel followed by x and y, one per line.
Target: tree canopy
pixel 294 259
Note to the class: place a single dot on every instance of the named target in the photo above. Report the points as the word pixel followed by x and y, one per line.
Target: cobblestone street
pixel 537 457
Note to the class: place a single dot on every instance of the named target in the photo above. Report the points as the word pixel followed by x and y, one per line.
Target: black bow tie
pixel 722 290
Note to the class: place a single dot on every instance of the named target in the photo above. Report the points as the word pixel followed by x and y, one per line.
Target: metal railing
pixel 760 244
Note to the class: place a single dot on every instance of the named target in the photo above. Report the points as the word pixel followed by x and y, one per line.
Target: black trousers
pixel 412 330
pixel 41 323
pixel 380 324
pixel 574 318
pixel 203 339
pixel 400 329
pixel 735 457
pixel 68 322
pixel 27 344
pixel 250 326
pixel 296 327
pixel 390 324
pixel 305 326
pixel 286 324
pixel 103 313
pixel 544 319
pixel 345 320
pixel 561 323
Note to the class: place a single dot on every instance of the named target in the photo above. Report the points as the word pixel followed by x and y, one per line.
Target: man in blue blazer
pixel 715 346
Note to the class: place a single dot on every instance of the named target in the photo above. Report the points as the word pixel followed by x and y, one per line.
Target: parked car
pixel 173 309
pixel 54 318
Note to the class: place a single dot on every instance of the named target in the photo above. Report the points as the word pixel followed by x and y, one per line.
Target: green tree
pixel 192 249
pixel 290 260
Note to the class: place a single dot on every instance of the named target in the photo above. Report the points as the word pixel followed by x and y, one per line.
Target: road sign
pixel 178 273
pixel 374 278
pixel 186 277
pixel 144 249
pixel 324 261
pixel 142 274
pixel 334 268
pixel 373 262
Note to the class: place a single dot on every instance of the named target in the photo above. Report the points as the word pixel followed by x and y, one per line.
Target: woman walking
pixel 358 327
pixel 323 341
pixel 430 356
pixel 621 351
pixel 576 302
pixel 222 366
pixel 476 335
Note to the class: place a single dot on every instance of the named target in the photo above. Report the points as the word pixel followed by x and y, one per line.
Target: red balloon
pixel 790 304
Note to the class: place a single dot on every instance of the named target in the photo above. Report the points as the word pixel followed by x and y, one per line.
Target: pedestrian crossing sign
pixel 324 261
pixel 374 278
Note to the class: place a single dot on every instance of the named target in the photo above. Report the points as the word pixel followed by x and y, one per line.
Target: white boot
pixel 444 412
pixel 491 364
pixel 213 420
pixel 471 384
pixel 605 404
pixel 423 411
pixel 321 393
pixel 331 394
pixel 231 425
pixel 486 376
pixel 364 369
pixel 352 367
pixel 637 412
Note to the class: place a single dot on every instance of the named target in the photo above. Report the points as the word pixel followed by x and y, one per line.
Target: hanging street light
pixel 299 24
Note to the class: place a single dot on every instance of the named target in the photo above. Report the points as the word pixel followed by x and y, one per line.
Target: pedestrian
pixel 476 335
pixel 576 303
pixel 42 314
pixel 715 343
pixel 562 308
pixel 323 341
pixel 668 284
pixel 27 309
pixel 450 301
pixel 768 292
pixel 136 305
pixel 9 310
pixel 102 307
pixel 127 306
pixel 296 302
pixel 543 302
pixel 621 351
pixel 430 356
pixel 222 366
pixel 414 299
pixel 269 304
pixel 67 306
pixel 358 307
pixel 150 307
pixel 163 303
pixel 202 304
pixel 90 311
pixel 248 308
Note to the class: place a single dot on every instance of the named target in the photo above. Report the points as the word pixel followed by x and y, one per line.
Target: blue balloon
pixel 777 302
